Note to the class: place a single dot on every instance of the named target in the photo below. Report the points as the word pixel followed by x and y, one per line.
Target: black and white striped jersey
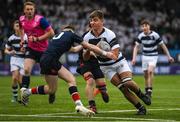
pixel 14 44
pixel 108 36
pixel 150 43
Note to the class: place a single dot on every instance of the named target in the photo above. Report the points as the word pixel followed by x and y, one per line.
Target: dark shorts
pixel 49 65
pixel 92 67
pixel 33 54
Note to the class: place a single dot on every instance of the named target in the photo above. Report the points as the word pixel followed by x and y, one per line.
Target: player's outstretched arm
pixel 163 46
pixel 76 48
pixel 98 50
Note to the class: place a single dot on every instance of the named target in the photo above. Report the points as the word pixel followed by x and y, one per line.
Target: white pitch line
pixel 115 111
pixel 104 118
pixel 61 115
pixel 155 109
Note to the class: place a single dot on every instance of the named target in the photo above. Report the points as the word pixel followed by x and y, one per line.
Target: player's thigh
pixel 66 75
pixel 97 73
pixel 115 80
pixel 28 64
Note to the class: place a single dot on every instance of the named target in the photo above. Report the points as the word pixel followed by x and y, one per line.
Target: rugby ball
pixel 104 45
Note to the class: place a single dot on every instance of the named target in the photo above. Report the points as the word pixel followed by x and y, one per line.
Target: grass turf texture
pixel 165 103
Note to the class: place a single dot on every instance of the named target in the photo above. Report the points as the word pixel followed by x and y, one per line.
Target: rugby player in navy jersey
pixel 150 41
pixel 52 68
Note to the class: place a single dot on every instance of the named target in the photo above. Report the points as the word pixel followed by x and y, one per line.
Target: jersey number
pixel 59 36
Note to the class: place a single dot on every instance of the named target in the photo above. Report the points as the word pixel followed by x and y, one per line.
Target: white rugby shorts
pixel 17 63
pixel 148 61
pixel 119 67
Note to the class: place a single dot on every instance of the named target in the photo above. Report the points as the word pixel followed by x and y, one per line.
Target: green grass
pixel 165 103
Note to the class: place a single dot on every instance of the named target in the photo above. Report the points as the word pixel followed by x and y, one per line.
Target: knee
pixel 27 70
pixel 71 81
pixel 146 74
pixel 90 82
pixel 89 79
pixel 150 72
pixel 15 78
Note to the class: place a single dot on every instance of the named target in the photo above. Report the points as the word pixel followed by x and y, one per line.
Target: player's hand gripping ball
pixel 104 45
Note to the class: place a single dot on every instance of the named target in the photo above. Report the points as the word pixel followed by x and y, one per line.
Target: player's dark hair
pixel 70 26
pixel 145 22
pixel 97 13
pixel 15 22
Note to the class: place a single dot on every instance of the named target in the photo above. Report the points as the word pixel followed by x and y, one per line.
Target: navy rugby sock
pixel 25 81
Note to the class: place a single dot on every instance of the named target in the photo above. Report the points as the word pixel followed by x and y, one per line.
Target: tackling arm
pixel 76 48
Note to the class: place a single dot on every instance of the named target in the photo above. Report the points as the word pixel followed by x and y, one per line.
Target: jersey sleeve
pixel 138 40
pixel 44 24
pixel 77 38
pixel 158 39
pixel 114 43
pixel 8 43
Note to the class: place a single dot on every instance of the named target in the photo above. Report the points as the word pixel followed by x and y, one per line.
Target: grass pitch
pixel 165 103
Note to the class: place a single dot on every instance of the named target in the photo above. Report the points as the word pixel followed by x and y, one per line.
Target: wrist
pixel 37 38
pixel 104 53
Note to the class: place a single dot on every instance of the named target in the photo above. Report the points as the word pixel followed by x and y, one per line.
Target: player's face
pixel 96 23
pixel 145 28
pixel 16 26
pixel 29 11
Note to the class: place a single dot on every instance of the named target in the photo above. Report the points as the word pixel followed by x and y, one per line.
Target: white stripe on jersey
pixel 14 43
pixel 149 49
pixel 150 42
pixel 110 37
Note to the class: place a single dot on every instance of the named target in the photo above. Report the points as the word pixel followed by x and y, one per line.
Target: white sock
pixel 78 103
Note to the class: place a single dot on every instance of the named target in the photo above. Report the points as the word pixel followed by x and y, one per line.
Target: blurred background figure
pixel 14 48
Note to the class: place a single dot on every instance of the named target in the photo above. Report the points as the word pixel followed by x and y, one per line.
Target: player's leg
pixel 70 79
pixel 28 65
pixel 125 75
pixel 126 78
pixel 50 89
pixel 150 76
pixel 100 83
pixel 116 81
pixel 85 71
pixel 90 83
pixel 15 69
pixel 15 79
pixel 148 65
pixel 52 82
